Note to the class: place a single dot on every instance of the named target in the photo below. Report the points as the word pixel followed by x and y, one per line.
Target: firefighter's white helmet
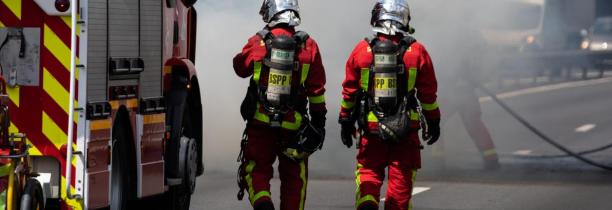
pixel 391 10
pixel 280 11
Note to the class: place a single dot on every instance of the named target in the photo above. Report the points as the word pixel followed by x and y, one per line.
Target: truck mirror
pixel 584 32
pixel 189 3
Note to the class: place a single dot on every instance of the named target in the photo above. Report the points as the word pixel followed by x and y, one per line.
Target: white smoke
pixel 224 27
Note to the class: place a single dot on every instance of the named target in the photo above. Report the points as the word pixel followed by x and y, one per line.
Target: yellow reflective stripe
pixel 249 179
pixel 14 6
pixel 13 94
pixel 58 93
pixel 304 184
pixel 412 75
pixel 256 72
pixel 57 47
pixel 305 71
pixel 490 152
pixel 365 199
pixel 260 195
pixel 365 79
pixel 261 116
pixel 430 107
pixel 68 20
pixel 360 200
pixel 317 99
pixel 9 197
pixel 75 204
pixel 5 169
pixel 3 200
pixel 52 131
pixel 372 117
pixel 294 126
pixel 414 116
pixel 346 104
pixel 2 26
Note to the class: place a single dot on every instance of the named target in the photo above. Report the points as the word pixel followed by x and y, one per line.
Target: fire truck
pixel 100 105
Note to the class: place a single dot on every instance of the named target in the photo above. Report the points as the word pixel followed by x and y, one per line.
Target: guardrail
pixel 532 65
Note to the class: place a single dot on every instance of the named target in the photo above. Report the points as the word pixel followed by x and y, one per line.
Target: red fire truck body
pixel 136 111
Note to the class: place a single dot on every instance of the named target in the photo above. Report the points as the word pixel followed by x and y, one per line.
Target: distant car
pixel 599 37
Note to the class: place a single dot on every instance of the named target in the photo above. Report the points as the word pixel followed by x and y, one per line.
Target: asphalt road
pixel 578 117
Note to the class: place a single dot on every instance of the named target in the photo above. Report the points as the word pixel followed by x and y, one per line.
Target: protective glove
pixel 318 122
pixel 433 131
pixel 347 132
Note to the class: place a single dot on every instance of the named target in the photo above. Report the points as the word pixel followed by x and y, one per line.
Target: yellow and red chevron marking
pixel 41 112
pixel 10 12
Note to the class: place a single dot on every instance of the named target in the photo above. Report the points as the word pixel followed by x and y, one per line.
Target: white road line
pixel 418 190
pixel 415 191
pixel 548 88
pixel 522 152
pixel 585 128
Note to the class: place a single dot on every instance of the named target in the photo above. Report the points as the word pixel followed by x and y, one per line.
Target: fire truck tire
pixel 32 197
pixel 178 118
pixel 121 185
pixel 189 163
pixel 179 197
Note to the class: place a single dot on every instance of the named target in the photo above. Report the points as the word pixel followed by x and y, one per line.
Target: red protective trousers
pixel 263 147
pixel 402 161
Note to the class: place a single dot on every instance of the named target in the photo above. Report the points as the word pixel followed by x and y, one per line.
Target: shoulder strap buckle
pixel 301 37
pixel 264 33
pixel 371 40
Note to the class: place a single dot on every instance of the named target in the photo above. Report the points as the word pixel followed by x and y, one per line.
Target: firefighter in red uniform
pixel 459 97
pixel 287 83
pixel 389 78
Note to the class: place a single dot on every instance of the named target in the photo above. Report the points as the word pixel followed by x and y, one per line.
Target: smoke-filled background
pixel 224 26
pixel 528 52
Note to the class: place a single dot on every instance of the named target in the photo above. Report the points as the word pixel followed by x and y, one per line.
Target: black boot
pixel 368 207
pixel 491 164
pixel 264 206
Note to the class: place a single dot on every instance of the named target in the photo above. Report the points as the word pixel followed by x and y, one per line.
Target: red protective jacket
pixel 309 56
pixel 415 58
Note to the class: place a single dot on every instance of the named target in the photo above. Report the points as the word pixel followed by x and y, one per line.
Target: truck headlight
pixel 584 45
pixel 530 39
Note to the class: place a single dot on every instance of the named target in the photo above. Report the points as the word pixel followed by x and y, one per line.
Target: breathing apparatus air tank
pixel 386 69
pixel 281 61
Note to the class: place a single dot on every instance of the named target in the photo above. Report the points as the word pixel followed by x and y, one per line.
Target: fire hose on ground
pixel 568 153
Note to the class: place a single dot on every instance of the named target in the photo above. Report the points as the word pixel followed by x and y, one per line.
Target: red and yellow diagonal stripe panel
pixel 55 87
pixel 41 112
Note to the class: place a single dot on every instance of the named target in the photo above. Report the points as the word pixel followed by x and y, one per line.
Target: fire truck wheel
pixel 32 198
pixel 189 163
pixel 120 182
pixel 179 197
